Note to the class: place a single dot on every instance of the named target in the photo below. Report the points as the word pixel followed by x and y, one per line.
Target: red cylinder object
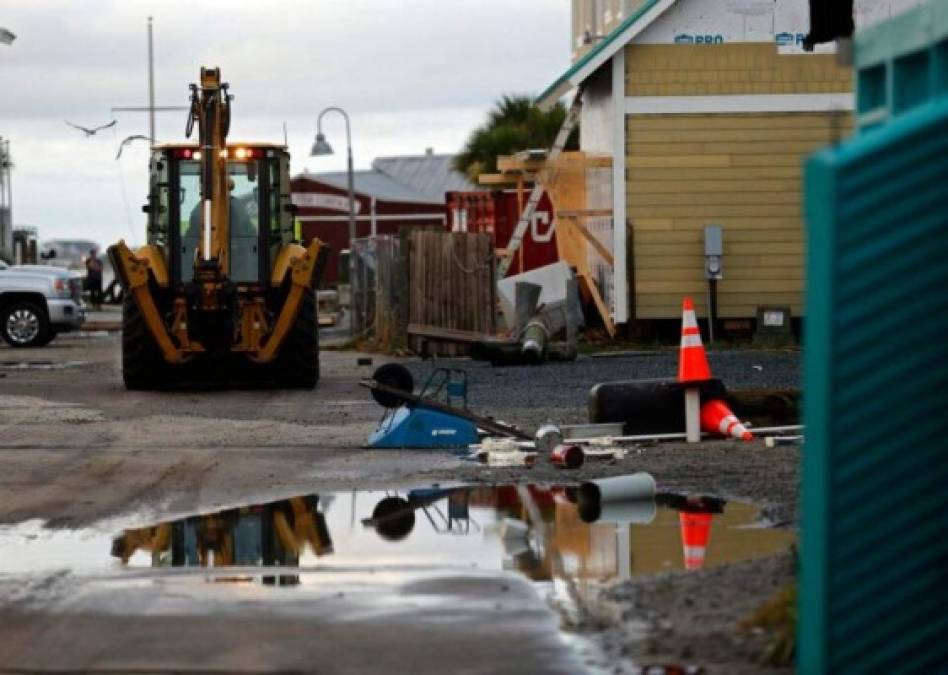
pixel 568 456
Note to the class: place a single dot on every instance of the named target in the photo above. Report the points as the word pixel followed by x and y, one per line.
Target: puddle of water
pixel 537 531
pixel 397 555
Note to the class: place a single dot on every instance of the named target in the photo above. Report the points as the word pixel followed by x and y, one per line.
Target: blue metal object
pixel 874 548
pixel 420 427
pixel 452 382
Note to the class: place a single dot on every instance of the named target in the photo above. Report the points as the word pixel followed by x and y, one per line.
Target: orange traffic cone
pixel 692 361
pixel 717 418
pixel 695 533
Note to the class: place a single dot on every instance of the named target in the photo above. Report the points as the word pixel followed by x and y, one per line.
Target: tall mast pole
pixel 151 84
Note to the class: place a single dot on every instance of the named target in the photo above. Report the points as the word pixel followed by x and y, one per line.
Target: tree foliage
pixel 513 124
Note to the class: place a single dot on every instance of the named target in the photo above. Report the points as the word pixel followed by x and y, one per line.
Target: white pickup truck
pixel 37 302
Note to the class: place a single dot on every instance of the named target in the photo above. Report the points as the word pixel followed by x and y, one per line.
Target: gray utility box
pixel 713 252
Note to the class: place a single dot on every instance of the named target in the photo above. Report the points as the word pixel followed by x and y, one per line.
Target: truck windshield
pixel 244 218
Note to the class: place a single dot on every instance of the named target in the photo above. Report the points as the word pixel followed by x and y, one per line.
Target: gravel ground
pixel 558 391
pixel 675 618
pixel 696 618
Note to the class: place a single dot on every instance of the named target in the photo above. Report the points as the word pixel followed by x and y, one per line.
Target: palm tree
pixel 514 124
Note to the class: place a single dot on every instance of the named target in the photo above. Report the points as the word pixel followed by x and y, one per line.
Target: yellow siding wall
pixel 738 68
pixel 740 171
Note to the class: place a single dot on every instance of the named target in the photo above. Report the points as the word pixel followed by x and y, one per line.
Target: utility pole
pixel 151 84
pixel 151 108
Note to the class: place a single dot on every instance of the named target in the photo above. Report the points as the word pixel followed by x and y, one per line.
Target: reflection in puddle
pixel 394 554
pixel 542 532
pixel 268 535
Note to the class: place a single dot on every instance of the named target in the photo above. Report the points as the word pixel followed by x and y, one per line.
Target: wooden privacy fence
pixel 379 290
pixel 451 290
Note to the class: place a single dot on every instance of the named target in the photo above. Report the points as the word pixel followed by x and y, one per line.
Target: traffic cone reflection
pixel 692 361
pixel 695 533
pixel 717 418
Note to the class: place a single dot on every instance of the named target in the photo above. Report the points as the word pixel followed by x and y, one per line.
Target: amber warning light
pixel 233 153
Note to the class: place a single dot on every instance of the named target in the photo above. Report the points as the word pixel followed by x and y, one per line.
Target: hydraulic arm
pixel 210 111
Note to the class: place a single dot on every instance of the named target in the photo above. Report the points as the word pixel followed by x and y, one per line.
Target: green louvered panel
pixel 874 575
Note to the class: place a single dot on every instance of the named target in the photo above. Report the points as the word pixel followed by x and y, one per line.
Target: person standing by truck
pixel 94 279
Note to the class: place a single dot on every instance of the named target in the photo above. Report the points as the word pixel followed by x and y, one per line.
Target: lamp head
pixel 321 146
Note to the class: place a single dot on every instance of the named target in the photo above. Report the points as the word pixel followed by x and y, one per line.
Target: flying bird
pixel 129 139
pixel 91 132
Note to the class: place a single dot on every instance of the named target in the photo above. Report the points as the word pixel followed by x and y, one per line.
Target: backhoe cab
pixel 221 288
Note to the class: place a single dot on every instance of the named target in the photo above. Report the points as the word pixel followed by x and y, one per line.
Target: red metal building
pixel 324 211
pixel 497 212
pixel 396 192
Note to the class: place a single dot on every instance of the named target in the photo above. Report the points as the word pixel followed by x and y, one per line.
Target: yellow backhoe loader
pixel 221 290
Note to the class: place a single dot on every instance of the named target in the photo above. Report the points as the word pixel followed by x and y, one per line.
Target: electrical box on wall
pixel 713 252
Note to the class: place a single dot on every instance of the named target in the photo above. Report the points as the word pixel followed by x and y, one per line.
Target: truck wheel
pixel 298 362
pixel 142 362
pixel 24 324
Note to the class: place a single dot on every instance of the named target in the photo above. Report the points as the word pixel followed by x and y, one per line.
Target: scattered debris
pixel 420 420
pixel 504 452
pixel 536 311
pixel 571 431
pixel 671 669
pixel 607 453
pixel 567 456
pixel 774 441
pixel 548 437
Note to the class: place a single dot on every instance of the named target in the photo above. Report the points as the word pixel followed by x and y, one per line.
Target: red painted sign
pixel 498 213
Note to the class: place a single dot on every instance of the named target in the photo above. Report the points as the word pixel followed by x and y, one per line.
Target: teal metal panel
pixel 901 63
pixel 874 549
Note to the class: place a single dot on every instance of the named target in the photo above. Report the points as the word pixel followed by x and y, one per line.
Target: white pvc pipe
pixel 639 485
pixel 692 415
pixel 639 512
pixel 761 431
pixel 624 551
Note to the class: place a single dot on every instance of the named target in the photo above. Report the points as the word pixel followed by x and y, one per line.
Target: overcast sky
pixel 412 74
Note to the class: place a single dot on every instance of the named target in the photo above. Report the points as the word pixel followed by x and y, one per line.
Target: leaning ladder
pixel 516 239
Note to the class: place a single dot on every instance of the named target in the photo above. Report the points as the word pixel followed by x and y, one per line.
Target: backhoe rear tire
pixel 143 366
pixel 297 365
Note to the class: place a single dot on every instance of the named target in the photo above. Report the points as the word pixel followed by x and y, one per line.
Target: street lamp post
pixel 321 147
